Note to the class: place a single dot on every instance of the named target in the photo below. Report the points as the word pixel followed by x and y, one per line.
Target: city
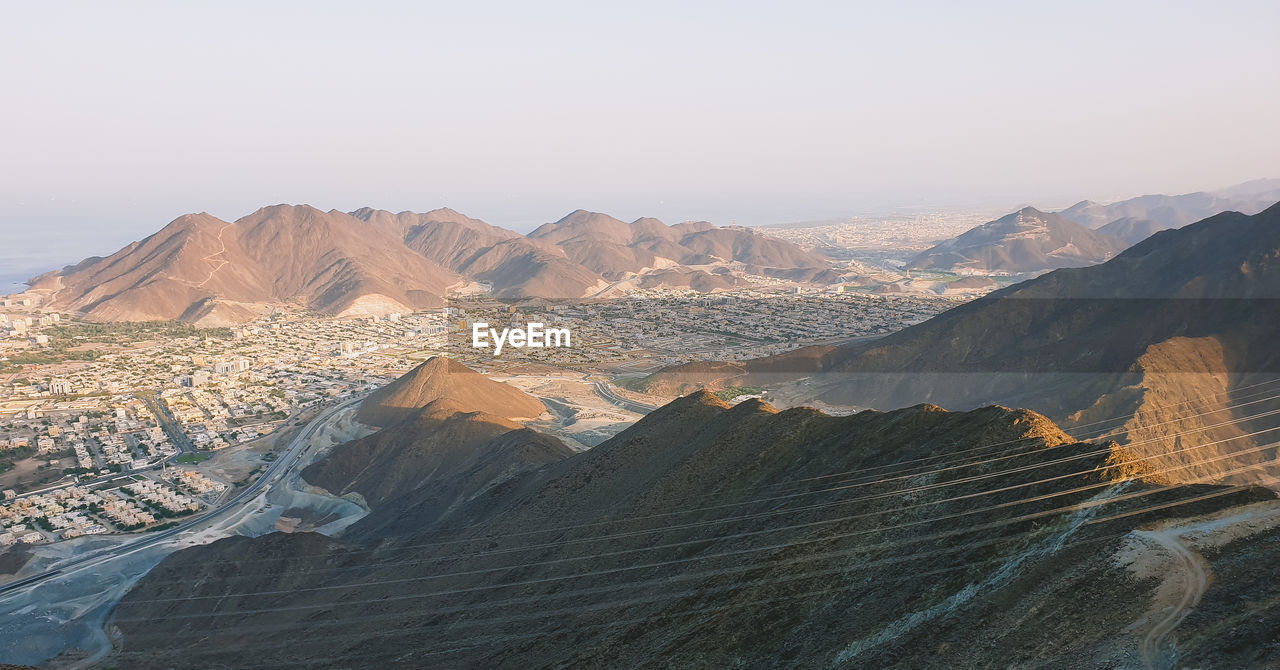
pixel 80 434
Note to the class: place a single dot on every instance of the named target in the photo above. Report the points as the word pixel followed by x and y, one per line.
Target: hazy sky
pixel 117 117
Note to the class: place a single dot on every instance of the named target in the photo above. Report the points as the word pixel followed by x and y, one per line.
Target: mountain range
pixel 1030 241
pixel 710 536
pixel 1026 240
pixel 203 270
pixel 1186 317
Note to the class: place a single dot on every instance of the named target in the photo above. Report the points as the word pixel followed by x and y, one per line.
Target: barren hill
pixel 716 536
pixel 516 266
pixel 447 451
pixel 613 248
pixel 1026 241
pixel 441 378
pixel 1182 320
pixel 204 270
pixel 1136 219
pixel 1131 230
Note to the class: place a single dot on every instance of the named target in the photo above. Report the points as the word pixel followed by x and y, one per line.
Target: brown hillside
pixel 201 269
pixel 444 378
pixel 443 447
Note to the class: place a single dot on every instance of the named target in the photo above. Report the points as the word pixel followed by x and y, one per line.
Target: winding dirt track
pixel 1195 579
pixel 212 259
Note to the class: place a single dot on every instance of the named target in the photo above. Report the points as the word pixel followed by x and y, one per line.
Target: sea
pixel 27 251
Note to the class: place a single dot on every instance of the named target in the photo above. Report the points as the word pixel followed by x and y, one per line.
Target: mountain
pixel 716 536
pixel 613 248
pixel 204 270
pixel 1026 241
pixel 445 449
pixel 1166 211
pixel 1132 230
pixel 514 265
pixel 441 378
pixel 1129 219
pixel 1182 319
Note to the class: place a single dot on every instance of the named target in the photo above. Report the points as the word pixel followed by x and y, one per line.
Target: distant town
pixel 104 427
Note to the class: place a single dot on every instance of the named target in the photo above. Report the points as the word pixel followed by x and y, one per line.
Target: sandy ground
pixel 579 417
pixel 25 471
pixel 1173 551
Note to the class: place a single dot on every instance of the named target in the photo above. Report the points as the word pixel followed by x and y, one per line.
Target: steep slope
pixel 445 451
pixel 1175 211
pixel 444 378
pixel 204 270
pixel 442 235
pixel 1183 317
pixel 1136 219
pixel 745 246
pixel 1132 230
pixel 1026 241
pixel 1165 211
pixel 707 536
pixel 613 248
pixel 516 267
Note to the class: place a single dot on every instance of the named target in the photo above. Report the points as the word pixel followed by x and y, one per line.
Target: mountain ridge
pixel 1023 242
pixel 690 504
pixel 203 270
pixel 1181 317
pixel 440 378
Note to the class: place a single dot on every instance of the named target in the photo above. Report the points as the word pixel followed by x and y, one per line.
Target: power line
pixel 611 605
pixel 793 510
pixel 468 573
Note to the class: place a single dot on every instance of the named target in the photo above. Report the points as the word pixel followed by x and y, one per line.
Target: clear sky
pixel 117 117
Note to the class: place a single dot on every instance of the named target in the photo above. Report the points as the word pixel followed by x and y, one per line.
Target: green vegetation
pixel 735 391
pixel 126 332
pixel 46 356
pixel 631 383
pixel 248 478
pixel 67 341
pixel 192 458
pixel 10 457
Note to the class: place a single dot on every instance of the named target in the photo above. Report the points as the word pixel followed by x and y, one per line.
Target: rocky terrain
pixel 710 536
pixel 1153 213
pixel 1030 241
pixel 441 456
pixel 441 378
pixel 1185 316
pixel 203 270
pixel 1027 241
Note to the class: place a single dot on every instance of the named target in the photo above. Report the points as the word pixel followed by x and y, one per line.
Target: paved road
pixel 274 472
pixel 604 391
pixel 161 410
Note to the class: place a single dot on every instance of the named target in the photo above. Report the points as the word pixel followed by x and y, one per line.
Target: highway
pixel 274 472
pixel 604 391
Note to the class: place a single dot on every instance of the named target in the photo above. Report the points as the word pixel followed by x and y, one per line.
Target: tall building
pixel 60 387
